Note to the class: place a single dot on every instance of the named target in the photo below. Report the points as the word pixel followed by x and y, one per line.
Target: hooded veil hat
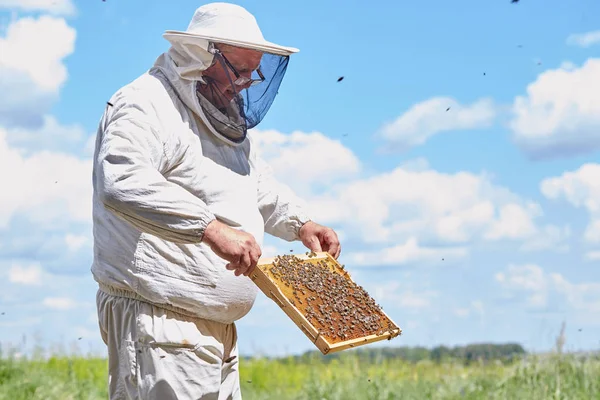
pixel 193 51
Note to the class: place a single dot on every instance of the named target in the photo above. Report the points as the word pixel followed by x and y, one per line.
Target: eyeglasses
pixel 242 80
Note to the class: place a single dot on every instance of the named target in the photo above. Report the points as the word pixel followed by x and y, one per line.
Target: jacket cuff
pixel 297 222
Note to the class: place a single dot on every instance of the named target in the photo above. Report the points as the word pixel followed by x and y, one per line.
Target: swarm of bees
pixel 336 306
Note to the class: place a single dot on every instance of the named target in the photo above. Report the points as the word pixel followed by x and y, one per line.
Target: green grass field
pixel 548 377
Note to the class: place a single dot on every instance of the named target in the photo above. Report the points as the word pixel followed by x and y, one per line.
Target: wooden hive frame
pixel 269 287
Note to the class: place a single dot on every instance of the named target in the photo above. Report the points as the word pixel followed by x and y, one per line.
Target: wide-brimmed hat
pixel 229 24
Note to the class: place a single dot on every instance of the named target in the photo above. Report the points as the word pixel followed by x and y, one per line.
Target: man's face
pixel 244 61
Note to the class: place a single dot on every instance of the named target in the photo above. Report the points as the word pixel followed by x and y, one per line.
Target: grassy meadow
pixel 346 377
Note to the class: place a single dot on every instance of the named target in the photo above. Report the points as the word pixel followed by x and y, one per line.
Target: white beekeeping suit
pixel 172 155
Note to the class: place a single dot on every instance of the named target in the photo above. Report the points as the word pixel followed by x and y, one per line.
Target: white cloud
pixel 48 41
pixel 586 39
pixel 50 136
pixel 514 222
pixel 31 64
pixel 426 204
pixel 428 118
pixel 75 242
pixel 61 7
pixel 59 303
pixel 415 300
pixel 580 296
pixel 475 307
pixel 25 275
pixel 583 299
pixel 45 185
pixel 560 115
pixel 548 237
pixel 412 201
pixel 306 159
pixel 408 299
pixel 527 278
pixel 462 312
pixel 581 188
pixel 90 146
pixel 271 251
pixel 592 255
pixel 409 252
pixel 415 165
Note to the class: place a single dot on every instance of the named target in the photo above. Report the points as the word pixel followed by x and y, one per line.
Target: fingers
pixel 237 269
pixel 255 254
pixel 244 264
pixel 332 243
pixel 247 262
pixel 315 244
pixel 233 265
pixel 236 265
pixel 243 254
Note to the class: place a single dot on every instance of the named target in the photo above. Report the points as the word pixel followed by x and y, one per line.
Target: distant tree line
pixel 468 354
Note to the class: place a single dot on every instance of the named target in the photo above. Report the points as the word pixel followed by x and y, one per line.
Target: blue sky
pixel 503 187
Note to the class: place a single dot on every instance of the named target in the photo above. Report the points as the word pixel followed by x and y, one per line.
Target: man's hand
pixel 320 238
pixel 237 247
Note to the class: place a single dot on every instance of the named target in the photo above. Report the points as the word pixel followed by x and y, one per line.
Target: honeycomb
pixel 322 291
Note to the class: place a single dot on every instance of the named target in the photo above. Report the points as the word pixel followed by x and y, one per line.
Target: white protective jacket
pixel 159 178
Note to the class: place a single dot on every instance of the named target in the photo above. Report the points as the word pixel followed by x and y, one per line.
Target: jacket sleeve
pixel 128 161
pixel 283 212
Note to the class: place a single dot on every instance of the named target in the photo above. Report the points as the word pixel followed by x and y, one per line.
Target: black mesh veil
pixel 258 98
pixel 240 101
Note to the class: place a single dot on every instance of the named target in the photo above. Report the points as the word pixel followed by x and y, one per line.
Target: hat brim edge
pixel 264 46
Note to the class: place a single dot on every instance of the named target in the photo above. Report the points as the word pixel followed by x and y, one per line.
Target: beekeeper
pixel 181 203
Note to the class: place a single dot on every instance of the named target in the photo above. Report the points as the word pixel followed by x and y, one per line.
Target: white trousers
pixel 156 354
